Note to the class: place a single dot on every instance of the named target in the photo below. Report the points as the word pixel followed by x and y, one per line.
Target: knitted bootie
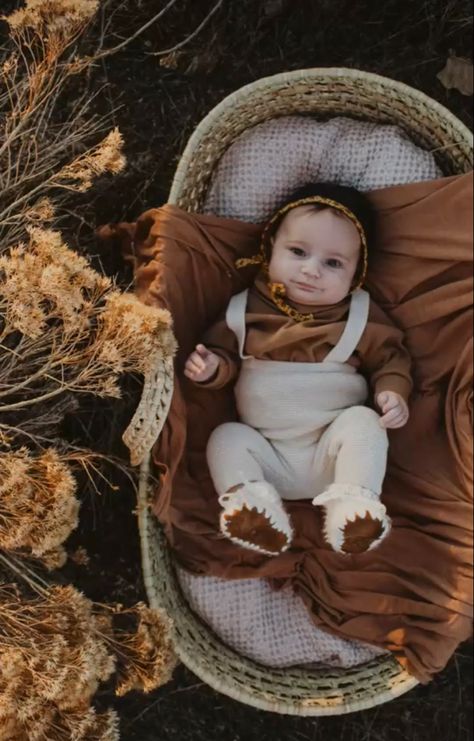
pixel 254 517
pixel 355 518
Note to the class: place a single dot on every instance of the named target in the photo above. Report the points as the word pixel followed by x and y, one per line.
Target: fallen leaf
pixel 171 60
pixel 457 74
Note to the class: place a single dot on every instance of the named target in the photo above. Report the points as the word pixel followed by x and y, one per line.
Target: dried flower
pixel 80 556
pixel 57 649
pixel 104 157
pixel 131 334
pixel 45 281
pixel 52 652
pixel 38 506
pixel 41 211
pixel 52 724
pixel 53 13
pixel 64 330
pixel 146 657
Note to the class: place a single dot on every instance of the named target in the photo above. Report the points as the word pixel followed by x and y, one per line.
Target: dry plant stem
pixel 72 131
pixel 119 47
pixel 144 653
pixel 63 328
pixel 45 77
pixel 109 14
pixel 38 504
pixel 42 56
pixel 66 331
pixel 191 36
pixel 37 584
pixel 55 180
pixel 83 457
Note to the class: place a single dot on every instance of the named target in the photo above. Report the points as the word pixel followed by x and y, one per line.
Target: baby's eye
pixel 297 251
pixel 334 263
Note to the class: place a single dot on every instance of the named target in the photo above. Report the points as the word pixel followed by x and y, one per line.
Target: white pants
pixel 351 450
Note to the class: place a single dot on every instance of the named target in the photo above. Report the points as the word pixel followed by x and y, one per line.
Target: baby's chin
pixel 316 297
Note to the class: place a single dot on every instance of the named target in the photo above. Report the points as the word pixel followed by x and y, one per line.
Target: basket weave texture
pixel 321 93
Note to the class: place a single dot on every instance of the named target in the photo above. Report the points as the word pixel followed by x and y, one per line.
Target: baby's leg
pixel 242 464
pixel 354 450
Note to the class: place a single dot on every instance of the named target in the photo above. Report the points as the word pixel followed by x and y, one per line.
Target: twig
pixel 193 35
pixel 35 584
pixel 138 32
pixel 157 702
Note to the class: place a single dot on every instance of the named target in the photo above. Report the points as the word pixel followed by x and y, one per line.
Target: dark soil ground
pixel 157 109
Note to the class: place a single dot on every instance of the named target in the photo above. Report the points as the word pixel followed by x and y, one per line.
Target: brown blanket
pixel 413 594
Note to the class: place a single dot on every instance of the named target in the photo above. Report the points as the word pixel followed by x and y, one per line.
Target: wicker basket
pixel 322 93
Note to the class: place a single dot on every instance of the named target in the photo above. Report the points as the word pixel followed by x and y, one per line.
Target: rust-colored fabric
pixel 413 594
pixel 272 335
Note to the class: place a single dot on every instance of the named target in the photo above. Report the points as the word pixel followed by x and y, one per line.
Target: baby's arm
pixel 386 361
pixel 215 362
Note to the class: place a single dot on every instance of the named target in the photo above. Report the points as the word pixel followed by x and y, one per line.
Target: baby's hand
pixel 394 409
pixel 201 364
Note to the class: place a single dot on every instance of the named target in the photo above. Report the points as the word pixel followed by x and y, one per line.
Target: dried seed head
pixel 106 156
pixel 38 506
pixel 57 654
pixel 132 334
pixel 42 211
pixel 146 656
pixel 56 15
pixel 44 281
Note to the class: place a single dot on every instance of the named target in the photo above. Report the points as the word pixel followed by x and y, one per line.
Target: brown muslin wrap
pixel 412 595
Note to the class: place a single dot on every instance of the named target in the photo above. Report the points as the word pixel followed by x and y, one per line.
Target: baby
pixel 304 345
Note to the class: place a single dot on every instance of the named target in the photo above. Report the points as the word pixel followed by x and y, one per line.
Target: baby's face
pixel 315 255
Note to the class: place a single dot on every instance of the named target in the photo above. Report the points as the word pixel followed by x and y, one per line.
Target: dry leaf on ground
pixel 457 74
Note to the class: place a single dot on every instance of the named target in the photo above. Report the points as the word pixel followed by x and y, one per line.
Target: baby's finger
pixel 202 351
pixel 390 404
pixel 197 365
pixel 396 421
pixel 399 423
pixel 190 362
pixel 390 417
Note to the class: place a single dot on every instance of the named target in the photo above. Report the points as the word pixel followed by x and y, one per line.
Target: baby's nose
pixel 312 269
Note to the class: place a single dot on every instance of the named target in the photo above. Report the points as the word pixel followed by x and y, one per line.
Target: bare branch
pixel 119 47
pixel 191 36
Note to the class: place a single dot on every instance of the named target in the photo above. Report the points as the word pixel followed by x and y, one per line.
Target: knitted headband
pixel 261 257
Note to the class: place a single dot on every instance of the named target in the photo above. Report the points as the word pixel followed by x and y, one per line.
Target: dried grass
pixel 38 506
pixel 37 146
pixel 65 331
pixel 145 656
pixel 57 648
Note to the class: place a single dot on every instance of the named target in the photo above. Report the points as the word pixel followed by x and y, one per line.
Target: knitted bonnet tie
pixel 277 290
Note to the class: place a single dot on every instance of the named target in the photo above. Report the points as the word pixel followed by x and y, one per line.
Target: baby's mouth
pixel 305 286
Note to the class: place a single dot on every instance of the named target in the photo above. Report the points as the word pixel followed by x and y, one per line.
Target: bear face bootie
pixel 253 516
pixel 355 519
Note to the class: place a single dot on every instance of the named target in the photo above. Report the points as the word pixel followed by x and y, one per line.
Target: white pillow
pixel 268 162
pixel 261 168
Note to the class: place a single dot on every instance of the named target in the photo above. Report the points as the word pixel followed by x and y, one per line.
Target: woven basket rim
pixel 319 74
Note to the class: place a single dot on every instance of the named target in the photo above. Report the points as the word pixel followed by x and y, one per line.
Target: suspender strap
pixel 235 318
pixel 355 325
